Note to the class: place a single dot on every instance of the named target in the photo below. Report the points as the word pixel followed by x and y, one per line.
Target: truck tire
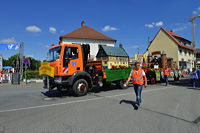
pixel 121 84
pixel 80 87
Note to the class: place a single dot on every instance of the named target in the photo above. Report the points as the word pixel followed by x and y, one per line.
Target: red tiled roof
pixel 173 35
pixel 86 32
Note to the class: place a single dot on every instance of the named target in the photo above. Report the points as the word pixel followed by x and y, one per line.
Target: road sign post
pixel 1 62
pixel 26 61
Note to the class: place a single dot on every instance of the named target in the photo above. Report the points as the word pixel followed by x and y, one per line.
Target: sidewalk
pixel 23 83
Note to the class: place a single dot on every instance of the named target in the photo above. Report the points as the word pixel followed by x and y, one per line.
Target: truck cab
pixel 66 59
pixel 65 65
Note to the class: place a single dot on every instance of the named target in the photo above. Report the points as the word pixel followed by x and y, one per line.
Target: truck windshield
pixel 54 54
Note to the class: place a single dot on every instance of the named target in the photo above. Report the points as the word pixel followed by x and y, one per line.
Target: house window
pixel 185 52
pixel 105 62
pixel 180 51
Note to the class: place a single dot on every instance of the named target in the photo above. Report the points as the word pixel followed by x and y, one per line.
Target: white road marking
pixel 50 105
pixel 78 101
pixel 49 98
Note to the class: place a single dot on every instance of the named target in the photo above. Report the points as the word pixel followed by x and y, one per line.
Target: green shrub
pixel 32 74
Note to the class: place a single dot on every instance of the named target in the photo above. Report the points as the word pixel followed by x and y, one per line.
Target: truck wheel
pixel 121 84
pixel 80 87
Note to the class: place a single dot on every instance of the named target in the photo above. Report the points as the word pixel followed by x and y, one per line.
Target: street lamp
pixel 191 19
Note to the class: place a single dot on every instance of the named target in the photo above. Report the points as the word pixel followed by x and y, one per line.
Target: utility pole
pixel 148 41
pixel 21 49
pixel 138 50
pixel 191 19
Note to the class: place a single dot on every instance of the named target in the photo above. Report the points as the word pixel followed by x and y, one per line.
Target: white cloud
pixel 160 23
pixel 8 40
pixel 109 28
pixel 194 12
pixel 52 30
pixel 30 56
pixel 33 28
pixel 154 24
pixel 180 29
pixel 149 25
pixel 47 46
pixel 135 46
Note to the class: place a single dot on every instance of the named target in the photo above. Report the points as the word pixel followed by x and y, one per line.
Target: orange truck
pixel 68 68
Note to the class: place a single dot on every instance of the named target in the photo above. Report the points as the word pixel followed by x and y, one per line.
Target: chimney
pixel 82 23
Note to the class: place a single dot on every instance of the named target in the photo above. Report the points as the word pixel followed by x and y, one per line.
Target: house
pixel 175 46
pixel 87 35
pixel 113 56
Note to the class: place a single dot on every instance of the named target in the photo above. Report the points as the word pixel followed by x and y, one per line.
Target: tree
pixel 34 64
pixel 14 61
pixel 5 62
pixel 11 60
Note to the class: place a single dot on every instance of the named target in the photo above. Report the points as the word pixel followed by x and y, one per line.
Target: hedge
pixel 32 74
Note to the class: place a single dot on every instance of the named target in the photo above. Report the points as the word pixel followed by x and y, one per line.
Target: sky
pixel 40 23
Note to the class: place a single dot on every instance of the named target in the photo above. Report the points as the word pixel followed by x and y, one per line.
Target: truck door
pixel 72 61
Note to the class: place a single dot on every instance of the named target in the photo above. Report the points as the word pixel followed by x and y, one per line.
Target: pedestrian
pixel 166 72
pixel 139 79
pixel 193 77
pixel 198 73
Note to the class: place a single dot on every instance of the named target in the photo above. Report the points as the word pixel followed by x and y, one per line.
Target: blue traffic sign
pixel 9 46
pixel 26 61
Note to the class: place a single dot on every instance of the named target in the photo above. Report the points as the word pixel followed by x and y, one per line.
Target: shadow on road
pixel 56 93
pixel 186 83
pixel 133 103
pixel 182 82
pixel 108 88
pixel 194 88
pixel 168 115
pixel 59 94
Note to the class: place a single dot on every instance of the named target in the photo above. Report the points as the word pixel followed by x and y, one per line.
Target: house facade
pixel 87 35
pixel 197 57
pixel 110 56
pixel 175 47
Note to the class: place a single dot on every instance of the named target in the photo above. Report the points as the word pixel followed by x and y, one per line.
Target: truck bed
pixel 114 75
pixel 110 75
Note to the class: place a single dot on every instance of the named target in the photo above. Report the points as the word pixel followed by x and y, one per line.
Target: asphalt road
pixel 31 109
